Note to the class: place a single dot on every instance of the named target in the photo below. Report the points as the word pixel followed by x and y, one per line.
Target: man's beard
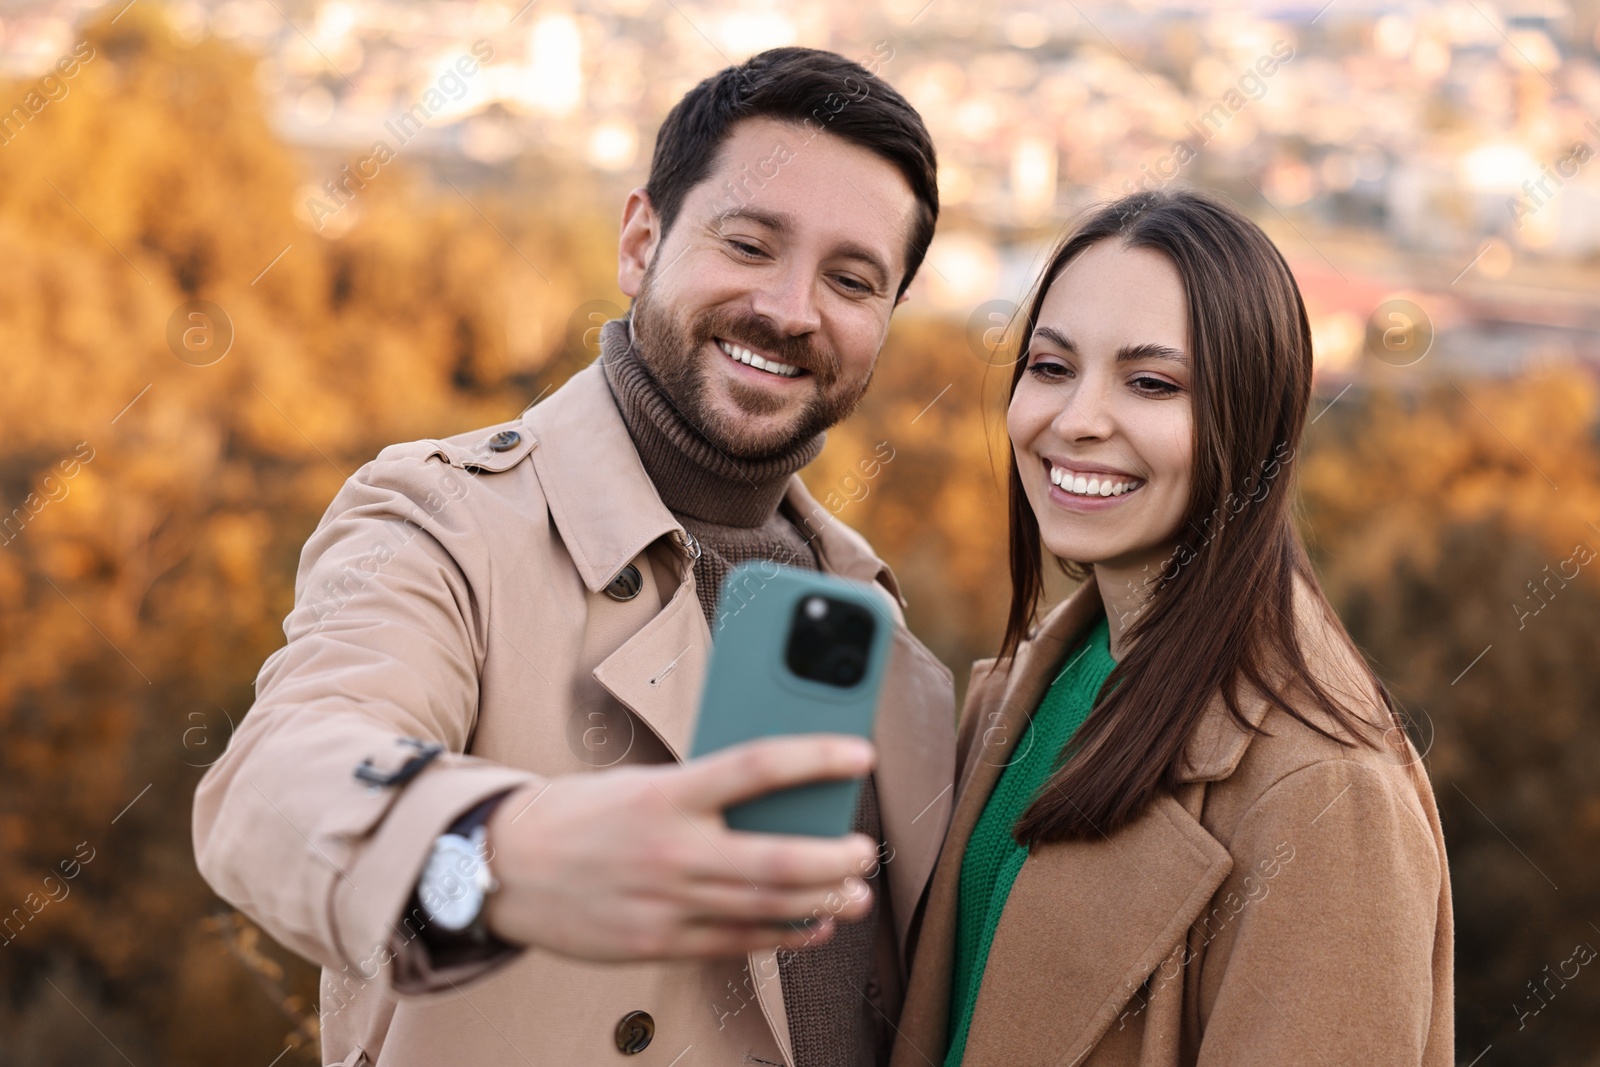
pixel 670 351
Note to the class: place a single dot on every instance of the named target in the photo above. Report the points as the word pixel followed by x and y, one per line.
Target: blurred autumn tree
pixel 143 592
pixel 1455 531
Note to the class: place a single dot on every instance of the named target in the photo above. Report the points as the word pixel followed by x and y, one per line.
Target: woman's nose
pixel 1086 412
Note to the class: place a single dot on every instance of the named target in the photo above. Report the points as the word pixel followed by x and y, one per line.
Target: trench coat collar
pixel 602 501
pixel 608 510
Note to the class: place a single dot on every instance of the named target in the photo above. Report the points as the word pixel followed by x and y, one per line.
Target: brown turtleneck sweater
pixel 733 507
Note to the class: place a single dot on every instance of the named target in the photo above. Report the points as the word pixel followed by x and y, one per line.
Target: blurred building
pixel 1436 127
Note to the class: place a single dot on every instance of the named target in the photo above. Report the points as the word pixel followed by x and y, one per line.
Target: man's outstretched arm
pixel 381 665
pixel 380 672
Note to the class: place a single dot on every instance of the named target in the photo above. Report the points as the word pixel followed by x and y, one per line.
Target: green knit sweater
pixel 993 858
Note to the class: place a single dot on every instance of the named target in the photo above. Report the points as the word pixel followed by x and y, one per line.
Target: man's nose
pixel 788 300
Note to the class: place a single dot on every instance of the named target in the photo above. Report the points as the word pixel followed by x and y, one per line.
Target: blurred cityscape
pixel 1441 152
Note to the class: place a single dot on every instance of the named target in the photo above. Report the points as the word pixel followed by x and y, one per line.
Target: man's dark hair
pixel 820 91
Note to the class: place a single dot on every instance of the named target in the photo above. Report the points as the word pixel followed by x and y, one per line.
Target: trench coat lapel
pixel 916 749
pixel 916 759
pixel 658 673
pixel 608 513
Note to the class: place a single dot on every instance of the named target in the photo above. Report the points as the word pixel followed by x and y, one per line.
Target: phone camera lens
pixel 829 641
pixel 847 670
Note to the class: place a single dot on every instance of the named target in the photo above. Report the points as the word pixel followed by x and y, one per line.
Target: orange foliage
pixel 143 591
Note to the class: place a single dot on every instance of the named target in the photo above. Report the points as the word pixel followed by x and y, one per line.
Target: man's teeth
pixel 1092 484
pixel 744 355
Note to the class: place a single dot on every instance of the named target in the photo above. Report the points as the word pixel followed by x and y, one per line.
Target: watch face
pixel 449 887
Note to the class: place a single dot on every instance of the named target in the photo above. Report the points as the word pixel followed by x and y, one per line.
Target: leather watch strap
pixel 476 943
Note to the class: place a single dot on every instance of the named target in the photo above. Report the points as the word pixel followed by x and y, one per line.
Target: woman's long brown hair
pixel 1221 612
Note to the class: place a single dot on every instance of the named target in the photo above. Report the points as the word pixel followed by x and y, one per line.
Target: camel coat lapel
pixel 1115 906
pixel 1289 902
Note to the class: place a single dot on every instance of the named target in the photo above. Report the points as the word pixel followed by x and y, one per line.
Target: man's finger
pixel 725 902
pixel 788 861
pixel 754 768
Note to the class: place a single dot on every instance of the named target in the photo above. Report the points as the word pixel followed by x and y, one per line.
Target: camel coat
pixel 1289 905
pixel 456 593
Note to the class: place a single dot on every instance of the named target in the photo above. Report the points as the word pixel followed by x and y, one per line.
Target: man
pixel 462 789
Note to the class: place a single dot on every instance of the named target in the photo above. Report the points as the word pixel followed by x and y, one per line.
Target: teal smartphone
pixel 795 652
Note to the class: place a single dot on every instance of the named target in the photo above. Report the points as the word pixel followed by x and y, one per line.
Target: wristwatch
pixel 453 891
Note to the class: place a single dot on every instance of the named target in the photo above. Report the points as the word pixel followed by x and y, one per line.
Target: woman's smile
pixel 1083 487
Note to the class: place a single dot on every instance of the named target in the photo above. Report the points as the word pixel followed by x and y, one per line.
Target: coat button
pixel 626 585
pixel 634 1032
pixel 504 441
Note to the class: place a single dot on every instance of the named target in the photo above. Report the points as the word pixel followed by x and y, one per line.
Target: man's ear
pixel 641 232
pixel 902 298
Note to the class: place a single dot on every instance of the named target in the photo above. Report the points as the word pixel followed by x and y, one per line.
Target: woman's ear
pixel 641 232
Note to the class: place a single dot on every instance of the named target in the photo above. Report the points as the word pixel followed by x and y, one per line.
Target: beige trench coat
pixel 455 592
pixel 1289 905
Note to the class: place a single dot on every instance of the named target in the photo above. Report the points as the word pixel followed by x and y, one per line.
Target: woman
pixel 1189 827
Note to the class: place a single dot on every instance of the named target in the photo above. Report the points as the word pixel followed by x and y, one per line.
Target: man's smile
pixel 740 354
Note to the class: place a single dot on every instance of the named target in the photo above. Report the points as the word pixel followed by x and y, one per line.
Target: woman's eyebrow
pixel 1150 350
pixel 1125 354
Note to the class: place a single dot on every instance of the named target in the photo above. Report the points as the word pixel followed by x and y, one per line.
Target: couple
pixel 1176 822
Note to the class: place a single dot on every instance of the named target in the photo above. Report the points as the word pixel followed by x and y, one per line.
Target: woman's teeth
pixel 749 358
pixel 1092 484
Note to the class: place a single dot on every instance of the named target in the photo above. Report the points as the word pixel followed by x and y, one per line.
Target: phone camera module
pixel 829 641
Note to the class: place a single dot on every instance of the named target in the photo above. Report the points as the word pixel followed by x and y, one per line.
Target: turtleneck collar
pixel 693 476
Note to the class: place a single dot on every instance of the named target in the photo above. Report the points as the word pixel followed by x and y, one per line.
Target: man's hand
pixel 636 863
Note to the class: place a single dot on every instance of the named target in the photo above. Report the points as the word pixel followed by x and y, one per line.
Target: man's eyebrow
pixel 780 223
pixel 862 254
pixel 776 221
pixel 1125 354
